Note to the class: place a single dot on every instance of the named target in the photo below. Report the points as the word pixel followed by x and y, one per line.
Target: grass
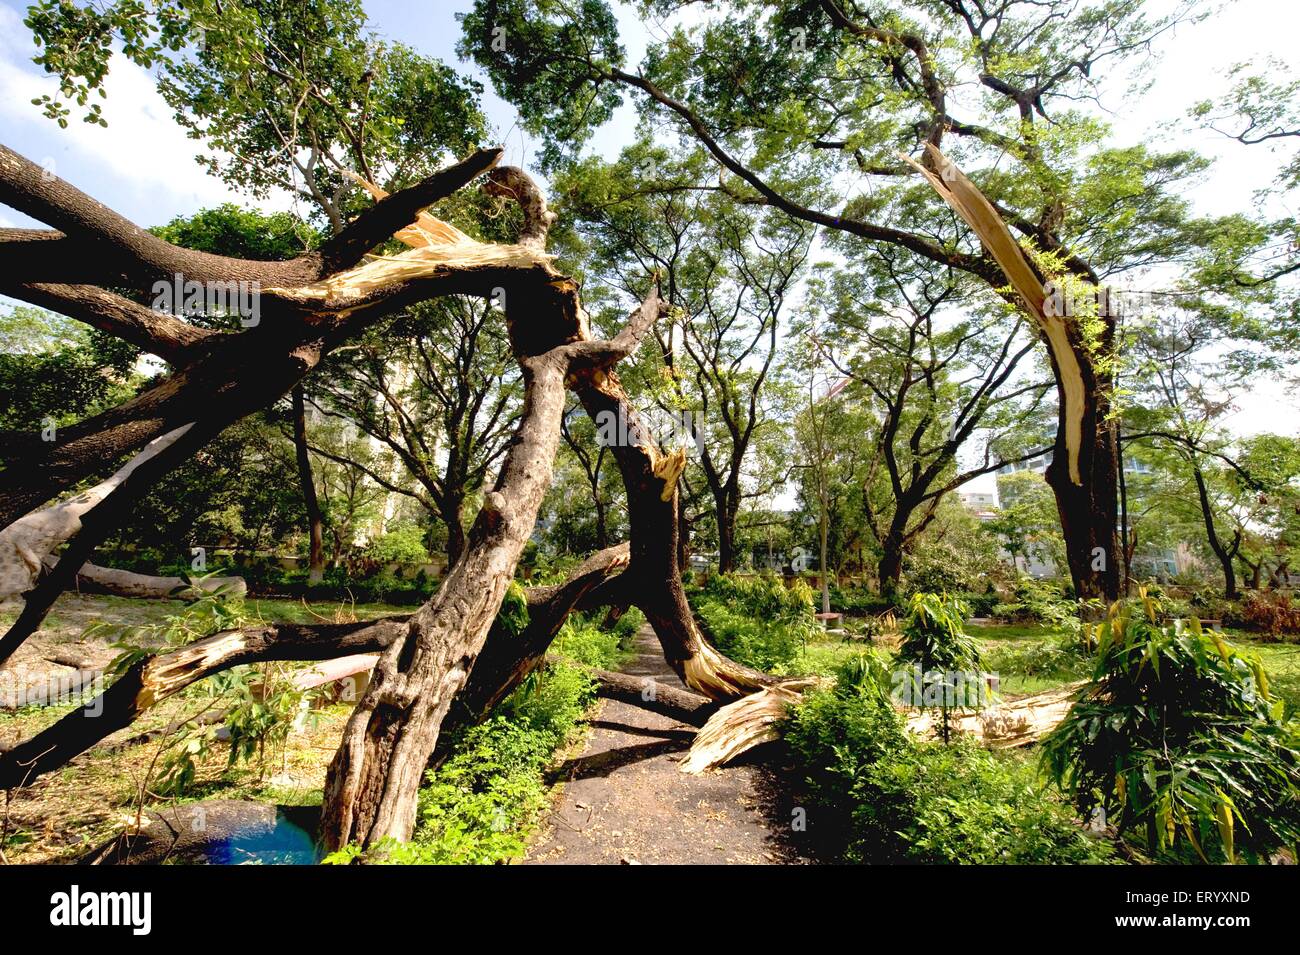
pixel 1001 642
pixel 64 814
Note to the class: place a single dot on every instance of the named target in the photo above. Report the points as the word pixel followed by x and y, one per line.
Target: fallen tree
pixel 28 546
pixel 311 305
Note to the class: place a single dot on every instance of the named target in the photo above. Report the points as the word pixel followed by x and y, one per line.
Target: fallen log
pixel 154 679
pixel 1007 725
pixel 682 705
pixel 29 542
pixel 125 583
pixel 751 720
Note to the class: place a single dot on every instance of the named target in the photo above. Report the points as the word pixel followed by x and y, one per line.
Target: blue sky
pixel 142 164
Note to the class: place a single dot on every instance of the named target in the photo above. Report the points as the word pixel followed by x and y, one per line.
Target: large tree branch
pixel 151 681
pixel 155 332
pixel 106 246
pixel 919 244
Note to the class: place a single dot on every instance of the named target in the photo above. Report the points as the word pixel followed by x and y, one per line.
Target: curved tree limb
pixel 114 248
pixel 153 680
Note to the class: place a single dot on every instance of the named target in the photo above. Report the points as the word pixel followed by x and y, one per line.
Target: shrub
pixel 1041 601
pixel 877 796
pixel 757 621
pixel 942 653
pixel 859 601
pixel 585 642
pixel 1059 659
pixel 1177 737
pixel 400 544
pixel 1268 612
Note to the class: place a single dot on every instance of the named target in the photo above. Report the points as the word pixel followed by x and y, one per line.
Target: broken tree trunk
pixel 507 658
pixel 150 681
pixel 650 479
pixel 1084 473
pixel 371 790
pixel 28 543
pixel 125 583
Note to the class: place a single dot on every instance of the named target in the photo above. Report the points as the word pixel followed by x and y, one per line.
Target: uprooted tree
pixel 441 661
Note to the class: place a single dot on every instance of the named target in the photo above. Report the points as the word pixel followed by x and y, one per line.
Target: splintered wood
pixel 751 720
pixel 1007 725
pixel 435 248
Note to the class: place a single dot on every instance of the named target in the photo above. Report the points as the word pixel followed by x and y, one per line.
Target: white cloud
pixel 142 164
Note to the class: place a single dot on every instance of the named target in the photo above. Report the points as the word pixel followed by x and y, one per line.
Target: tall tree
pixel 436 388
pixel 930 384
pixel 729 272
pixel 800 103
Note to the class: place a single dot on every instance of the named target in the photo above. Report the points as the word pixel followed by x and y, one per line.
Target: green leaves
pixel 283 95
pixel 881 797
pixel 548 57
pixel 1177 735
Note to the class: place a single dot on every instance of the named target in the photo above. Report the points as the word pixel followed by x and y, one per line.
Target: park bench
pixel 828 618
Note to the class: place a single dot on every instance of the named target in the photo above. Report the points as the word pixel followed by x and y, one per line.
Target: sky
pixel 142 164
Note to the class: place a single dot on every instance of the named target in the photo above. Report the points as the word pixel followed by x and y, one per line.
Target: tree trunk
pixel 451 507
pixel 1084 473
pixel 602 524
pixel 890 567
pixel 656 524
pixel 683 541
pixel 1088 508
pixel 823 541
pixel 1221 552
pixel 316 558
pixel 726 517
pixel 1127 539
pixel 375 775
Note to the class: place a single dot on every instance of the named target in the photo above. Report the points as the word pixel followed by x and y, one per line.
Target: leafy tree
pixel 944 657
pixel 728 272
pixel 54 371
pixel 1026 524
pixel 929 384
pixel 802 103
pixel 437 389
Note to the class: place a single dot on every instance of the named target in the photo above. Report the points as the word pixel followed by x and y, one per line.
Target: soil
pixel 623 799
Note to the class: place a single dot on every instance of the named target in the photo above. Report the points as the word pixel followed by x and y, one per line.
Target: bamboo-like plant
pixel 1177 737
pixel 935 642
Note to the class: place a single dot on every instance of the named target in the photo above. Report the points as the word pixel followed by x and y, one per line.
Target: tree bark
pixel 650 478
pixel 150 681
pixel 125 583
pixel 1089 507
pixel 375 775
pixel 451 505
pixel 726 517
pixel 889 569
pixel 1084 471
pixel 315 526
pixel 1223 553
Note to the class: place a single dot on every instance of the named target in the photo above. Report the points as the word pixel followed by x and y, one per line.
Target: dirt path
pixel 624 800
